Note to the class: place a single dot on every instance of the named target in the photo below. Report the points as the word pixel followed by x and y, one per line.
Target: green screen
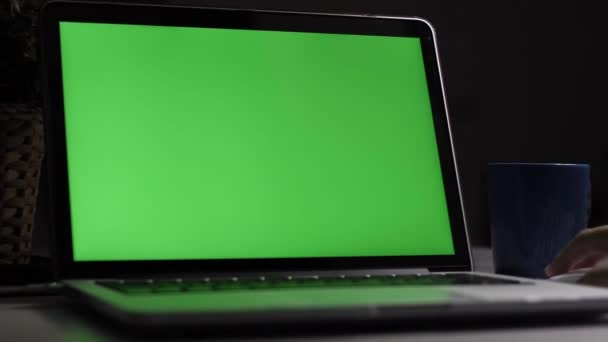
pixel 200 143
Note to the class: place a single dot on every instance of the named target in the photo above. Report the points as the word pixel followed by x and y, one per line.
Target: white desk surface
pixel 58 319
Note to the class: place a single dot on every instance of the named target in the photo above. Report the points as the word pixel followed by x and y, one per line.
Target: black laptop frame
pixel 54 12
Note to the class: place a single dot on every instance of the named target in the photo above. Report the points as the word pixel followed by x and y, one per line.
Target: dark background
pixel 524 82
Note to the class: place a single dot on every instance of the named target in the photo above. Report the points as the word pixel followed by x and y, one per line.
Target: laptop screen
pixel 207 143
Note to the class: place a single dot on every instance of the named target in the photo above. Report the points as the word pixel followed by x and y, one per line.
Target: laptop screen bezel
pixel 55 12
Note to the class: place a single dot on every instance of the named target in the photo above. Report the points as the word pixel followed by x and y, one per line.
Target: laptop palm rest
pixel 271 300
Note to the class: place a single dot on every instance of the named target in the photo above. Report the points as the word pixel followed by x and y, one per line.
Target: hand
pixel 588 249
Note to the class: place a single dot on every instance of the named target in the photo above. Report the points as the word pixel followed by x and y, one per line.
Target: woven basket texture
pixel 21 154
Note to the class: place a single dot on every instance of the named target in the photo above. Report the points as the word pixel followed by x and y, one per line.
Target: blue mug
pixel 535 210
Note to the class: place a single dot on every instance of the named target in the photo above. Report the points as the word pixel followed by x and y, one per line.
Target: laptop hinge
pixel 321 273
pixel 450 269
pixel 397 271
pixel 356 272
pixel 411 271
pixel 363 272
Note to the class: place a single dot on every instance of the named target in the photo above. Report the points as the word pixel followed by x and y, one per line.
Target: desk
pixel 56 318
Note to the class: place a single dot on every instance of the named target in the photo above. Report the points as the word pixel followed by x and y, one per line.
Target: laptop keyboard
pixel 261 283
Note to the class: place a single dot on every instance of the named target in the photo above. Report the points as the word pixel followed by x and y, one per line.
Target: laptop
pixel 218 167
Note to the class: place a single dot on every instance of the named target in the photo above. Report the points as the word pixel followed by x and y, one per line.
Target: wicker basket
pixel 21 153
